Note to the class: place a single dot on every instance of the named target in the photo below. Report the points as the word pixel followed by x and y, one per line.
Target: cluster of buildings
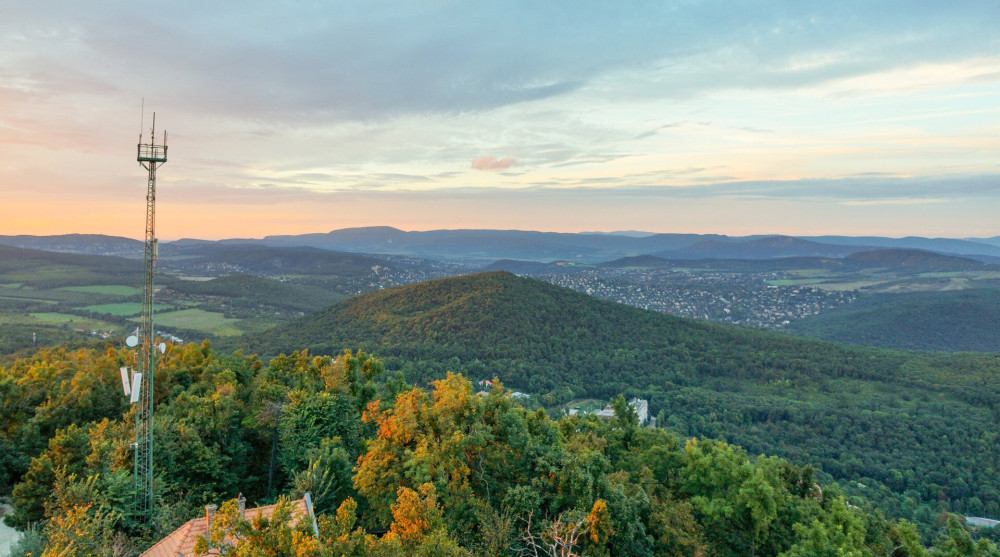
pixel 737 299
pixel 215 269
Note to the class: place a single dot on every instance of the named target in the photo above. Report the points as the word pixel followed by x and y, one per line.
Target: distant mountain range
pixel 488 245
pixel 768 247
pixel 481 247
pixel 491 245
pixel 898 260
pixel 942 245
pixel 84 244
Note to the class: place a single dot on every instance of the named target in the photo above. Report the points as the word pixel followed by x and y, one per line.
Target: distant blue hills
pixel 480 247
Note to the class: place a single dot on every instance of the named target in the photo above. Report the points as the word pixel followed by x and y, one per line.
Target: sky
pixel 763 117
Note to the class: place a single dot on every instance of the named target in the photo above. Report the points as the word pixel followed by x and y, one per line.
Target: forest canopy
pixel 395 469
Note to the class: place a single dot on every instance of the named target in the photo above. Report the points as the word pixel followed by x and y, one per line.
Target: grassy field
pixel 124 309
pixel 855 285
pixel 45 295
pixel 199 320
pixel 106 289
pixel 75 321
pixel 795 282
pixel 21 299
pixel 16 318
pixel 54 276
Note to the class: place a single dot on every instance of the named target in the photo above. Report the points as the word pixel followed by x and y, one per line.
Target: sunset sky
pixel 793 117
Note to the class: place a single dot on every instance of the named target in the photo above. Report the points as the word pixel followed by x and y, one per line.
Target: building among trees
pixel 183 541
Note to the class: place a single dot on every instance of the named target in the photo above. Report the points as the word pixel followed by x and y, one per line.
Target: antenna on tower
pixel 150 156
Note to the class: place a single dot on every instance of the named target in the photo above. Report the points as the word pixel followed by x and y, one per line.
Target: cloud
pixel 490 162
pixel 329 61
pixel 859 191
pixel 895 202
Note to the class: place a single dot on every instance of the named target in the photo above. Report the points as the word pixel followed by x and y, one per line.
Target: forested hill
pixel 947 321
pixel 86 244
pixel 541 338
pixel 909 430
pixel 913 258
pixel 20 264
pixel 533 335
pixel 269 260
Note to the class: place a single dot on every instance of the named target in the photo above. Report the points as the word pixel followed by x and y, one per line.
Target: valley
pixel 230 288
pixel 54 297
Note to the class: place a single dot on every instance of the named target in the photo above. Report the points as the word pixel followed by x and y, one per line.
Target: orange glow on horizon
pixel 176 220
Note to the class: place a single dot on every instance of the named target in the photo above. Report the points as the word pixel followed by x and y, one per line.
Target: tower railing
pixel 152 153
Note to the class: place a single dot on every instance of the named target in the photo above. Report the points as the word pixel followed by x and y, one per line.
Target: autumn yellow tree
pixel 423 440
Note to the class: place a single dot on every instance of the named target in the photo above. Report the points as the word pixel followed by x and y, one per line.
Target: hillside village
pixel 754 300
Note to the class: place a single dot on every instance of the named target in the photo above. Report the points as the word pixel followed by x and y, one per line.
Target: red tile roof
pixel 181 542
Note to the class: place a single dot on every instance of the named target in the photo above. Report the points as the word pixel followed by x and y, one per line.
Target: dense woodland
pixel 961 320
pixel 398 470
pixel 913 432
pixel 238 294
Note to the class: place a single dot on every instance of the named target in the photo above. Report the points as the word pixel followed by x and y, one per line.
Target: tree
pixel 327 478
pixel 415 514
pixel 67 452
pixel 955 541
pixel 86 519
pixel 674 528
pixel 424 439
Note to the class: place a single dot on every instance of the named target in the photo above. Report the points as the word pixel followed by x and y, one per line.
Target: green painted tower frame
pixel 150 156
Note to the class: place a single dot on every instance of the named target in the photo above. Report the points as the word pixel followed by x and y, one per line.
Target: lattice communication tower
pixel 150 156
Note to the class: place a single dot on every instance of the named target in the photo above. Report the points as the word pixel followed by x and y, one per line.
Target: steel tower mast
pixel 150 156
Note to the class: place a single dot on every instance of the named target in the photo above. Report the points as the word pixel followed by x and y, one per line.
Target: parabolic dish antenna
pixel 132 341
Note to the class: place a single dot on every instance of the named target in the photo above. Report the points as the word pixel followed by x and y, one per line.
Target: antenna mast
pixel 150 156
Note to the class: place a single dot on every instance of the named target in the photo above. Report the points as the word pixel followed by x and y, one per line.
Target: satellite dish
pixel 163 347
pixel 132 341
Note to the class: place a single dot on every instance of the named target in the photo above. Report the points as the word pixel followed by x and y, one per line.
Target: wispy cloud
pixel 871 202
pixel 490 162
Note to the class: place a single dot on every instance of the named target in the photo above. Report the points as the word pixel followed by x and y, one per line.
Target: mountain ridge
pixel 482 246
